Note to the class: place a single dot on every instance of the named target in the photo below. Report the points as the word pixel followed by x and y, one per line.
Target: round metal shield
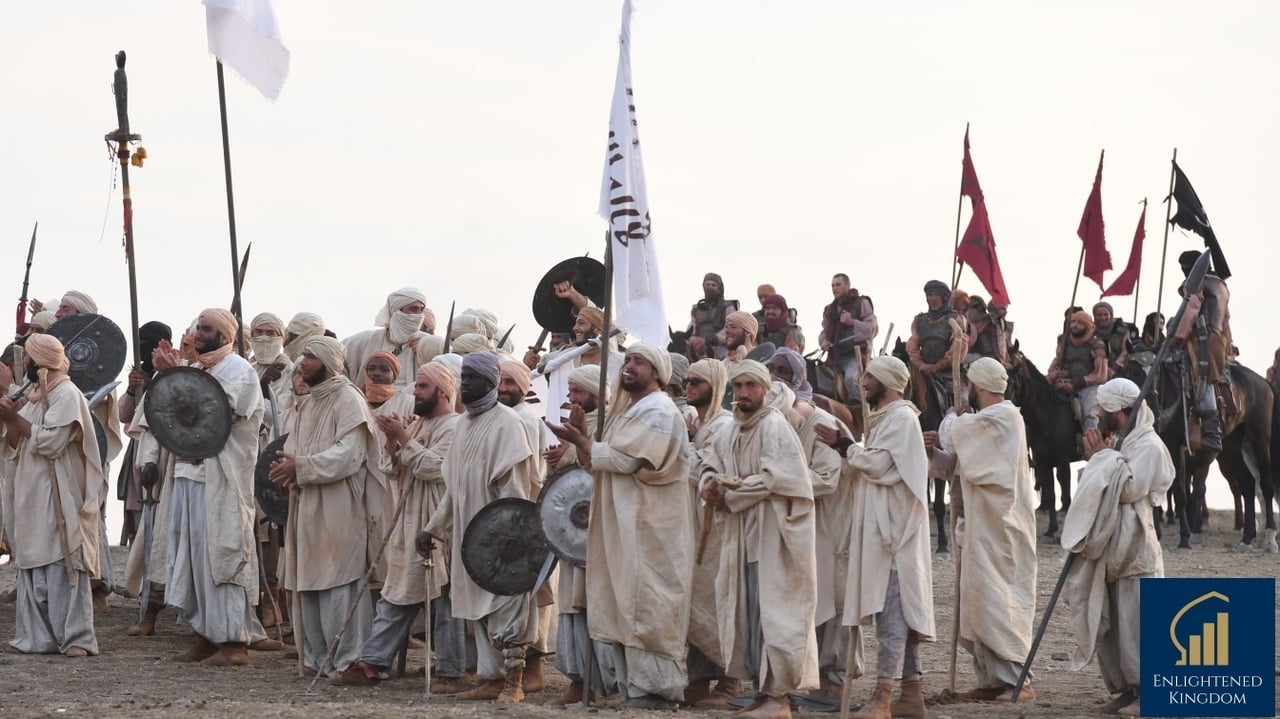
pixel 587 277
pixel 564 508
pixel 503 548
pixel 188 412
pixel 274 503
pixel 95 347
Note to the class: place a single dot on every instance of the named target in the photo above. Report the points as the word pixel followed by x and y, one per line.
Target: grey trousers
pixel 1120 637
pixel 53 614
pixel 994 671
pixel 323 613
pixel 571 654
pixel 897 656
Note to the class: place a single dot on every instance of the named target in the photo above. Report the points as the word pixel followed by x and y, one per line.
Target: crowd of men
pixel 740 535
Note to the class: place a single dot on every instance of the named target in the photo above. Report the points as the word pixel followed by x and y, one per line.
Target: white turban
pixel 396 301
pixel 471 342
pixel 466 323
pixel 428 348
pixel 655 356
pixel 754 371
pixel 714 373
pixel 43 319
pixel 451 361
pixel 587 379
pixel 1118 394
pixel 82 302
pixel 891 372
pixel 329 351
pixel 989 374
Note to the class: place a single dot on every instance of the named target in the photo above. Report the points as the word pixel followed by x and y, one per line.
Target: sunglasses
pixel 694 381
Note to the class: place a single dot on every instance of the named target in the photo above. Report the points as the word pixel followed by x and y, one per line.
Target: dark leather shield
pixel 188 412
pixel 101 434
pixel 564 508
pixel 503 548
pixel 95 347
pixel 762 353
pixel 274 503
pixel 587 277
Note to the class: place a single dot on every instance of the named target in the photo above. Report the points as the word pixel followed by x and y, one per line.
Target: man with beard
pixel 144 450
pixel 848 322
pixel 1080 366
pixel 777 325
pixel 929 348
pixel 381 371
pixel 1114 333
pixel 52 445
pixel 415 456
pixel 704 388
pixel 572 651
pixel 75 302
pixel 1110 527
pixel 996 534
pixel 640 535
pixel 323 464
pixel 766 582
pixel 1143 347
pixel 763 292
pixel 985 339
pixel 1205 331
pixel 890 578
pixel 707 318
pixel 740 330
pixel 212 570
pixel 399 328
pixel 489 460
pixel 832 511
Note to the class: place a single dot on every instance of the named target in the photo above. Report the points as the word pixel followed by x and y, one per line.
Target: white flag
pixel 637 289
pixel 243 34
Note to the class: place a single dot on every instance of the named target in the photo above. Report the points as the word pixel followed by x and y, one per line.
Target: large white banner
pixel 244 35
pixel 637 287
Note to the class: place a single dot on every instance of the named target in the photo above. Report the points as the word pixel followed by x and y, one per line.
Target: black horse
pixel 1248 447
pixel 1052 429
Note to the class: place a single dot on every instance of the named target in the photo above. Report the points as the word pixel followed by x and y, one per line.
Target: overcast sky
pixel 458 147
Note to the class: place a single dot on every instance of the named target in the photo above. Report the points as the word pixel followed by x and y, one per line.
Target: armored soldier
pixel 848 322
pixel 1114 333
pixel 984 336
pixel 930 343
pixel 706 318
pixel 1080 366
pixel 1207 320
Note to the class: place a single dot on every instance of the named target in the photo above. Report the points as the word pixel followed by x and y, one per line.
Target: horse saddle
pixel 825 380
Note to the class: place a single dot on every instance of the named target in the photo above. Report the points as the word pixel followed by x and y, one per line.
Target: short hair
pixel 840 276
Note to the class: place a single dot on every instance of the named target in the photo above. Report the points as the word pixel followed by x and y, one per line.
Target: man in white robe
pixel 211 570
pixel 274 368
pixel 573 641
pixel 381 371
pixel 399 328
pixel 832 512
pixel 414 457
pixel 52 446
pixel 996 534
pixel 890 578
pixel 1110 527
pixel 299 332
pixel 322 465
pixel 640 540
pixel 489 460
pixel 704 387
pixel 767 582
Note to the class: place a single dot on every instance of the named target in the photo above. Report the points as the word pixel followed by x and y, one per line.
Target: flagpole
pixel 1079 269
pixel 231 212
pixel 1137 281
pixel 956 267
pixel 122 137
pixel 1168 214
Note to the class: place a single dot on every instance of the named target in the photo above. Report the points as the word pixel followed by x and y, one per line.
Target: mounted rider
pixel 1114 333
pixel 1080 366
pixel 706 318
pixel 1207 321
pixel 985 336
pixel 929 348
pixel 848 322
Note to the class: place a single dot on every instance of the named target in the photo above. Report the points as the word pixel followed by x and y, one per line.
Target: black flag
pixel 1191 216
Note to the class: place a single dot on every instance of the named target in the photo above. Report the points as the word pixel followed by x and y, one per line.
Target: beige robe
pixel 832 511
pixel 360 346
pixel 890 520
pixel 998 577
pixel 61 452
pixel 1109 525
pixel 329 530
pixel 571 582
pixel 640 540
pixel 417 468
pixel 228 477
pixel 281 389
pixel 704 625
pixel 536 432
pixel 379 494
pixel 488 460
pixel 147 449
pixel 770 522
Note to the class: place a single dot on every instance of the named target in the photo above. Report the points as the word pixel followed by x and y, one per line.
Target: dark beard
pixel 424 407
pixel 33 372
pixel 876 396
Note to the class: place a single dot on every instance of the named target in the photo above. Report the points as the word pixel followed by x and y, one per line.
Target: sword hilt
pixel 120 87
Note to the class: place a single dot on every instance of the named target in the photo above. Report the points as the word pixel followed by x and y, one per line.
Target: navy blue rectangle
pixel 1208 647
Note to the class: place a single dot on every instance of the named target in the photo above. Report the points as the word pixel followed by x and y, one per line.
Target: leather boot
pixel 1210 432
pixel 146 626
pixel 231 654
pixel 100 594
pixel 487 691
pixel 200 650
pixel 879 705
pixel 533 681
pixel 513 689
pixel 571 695
pixel 910 703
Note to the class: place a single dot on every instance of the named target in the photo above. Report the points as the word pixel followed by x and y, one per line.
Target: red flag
pixel 1092 232
pixel 1128 279
pixel 978 246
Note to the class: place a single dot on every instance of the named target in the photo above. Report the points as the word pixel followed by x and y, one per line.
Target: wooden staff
pixel 958 351
pixel 1168 214
pixel 122 137
pixel 855 632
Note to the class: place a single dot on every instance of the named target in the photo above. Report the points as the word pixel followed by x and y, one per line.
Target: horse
pixel 932 411
pixel 1249 445
pixel 1052 429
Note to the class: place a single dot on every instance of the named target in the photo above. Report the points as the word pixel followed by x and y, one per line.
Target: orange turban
pixel 223 321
